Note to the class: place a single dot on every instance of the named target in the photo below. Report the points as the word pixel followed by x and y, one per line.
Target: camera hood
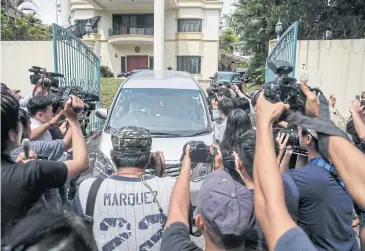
pixel 280 67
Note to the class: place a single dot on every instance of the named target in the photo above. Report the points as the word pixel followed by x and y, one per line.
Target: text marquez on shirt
pixel 131 199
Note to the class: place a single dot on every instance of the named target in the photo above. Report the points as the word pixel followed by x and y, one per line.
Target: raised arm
pixel 356 110
pixel 180 196
pixel 270 205
pixel 349 162
pixel 80 162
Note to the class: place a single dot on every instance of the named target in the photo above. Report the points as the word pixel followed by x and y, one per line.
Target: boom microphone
pixel 26 147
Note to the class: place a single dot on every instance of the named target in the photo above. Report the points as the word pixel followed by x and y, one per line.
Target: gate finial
pixel 279 29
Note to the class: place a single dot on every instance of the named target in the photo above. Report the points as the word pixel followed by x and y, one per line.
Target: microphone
pixel 26 147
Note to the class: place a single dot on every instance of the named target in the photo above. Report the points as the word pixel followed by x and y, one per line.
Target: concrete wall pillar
pixel 65 13
pixel 159 35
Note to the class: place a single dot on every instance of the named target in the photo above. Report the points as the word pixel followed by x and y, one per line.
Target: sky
pixel 47 9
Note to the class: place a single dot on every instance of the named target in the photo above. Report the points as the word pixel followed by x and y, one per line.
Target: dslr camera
pixel 199 152
pixel 283 88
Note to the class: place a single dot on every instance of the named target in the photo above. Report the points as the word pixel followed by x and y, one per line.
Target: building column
pixel 159 35
pixel 65 13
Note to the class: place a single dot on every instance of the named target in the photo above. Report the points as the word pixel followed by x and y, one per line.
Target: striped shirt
pixel 50 150
pixel 126 214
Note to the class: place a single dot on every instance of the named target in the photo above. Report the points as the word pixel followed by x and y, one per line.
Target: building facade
pixel 181 34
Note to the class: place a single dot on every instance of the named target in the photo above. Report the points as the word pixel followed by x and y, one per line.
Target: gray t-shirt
pixel 294 239
pixel 176 238
pixel 126 214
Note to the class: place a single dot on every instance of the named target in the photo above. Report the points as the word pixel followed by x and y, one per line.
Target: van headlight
pixel 200 172
pixel 103 164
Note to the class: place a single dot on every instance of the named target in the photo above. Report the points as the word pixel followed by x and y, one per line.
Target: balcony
pixel 129 34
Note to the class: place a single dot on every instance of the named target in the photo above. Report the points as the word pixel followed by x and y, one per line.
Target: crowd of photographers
pixel 281 179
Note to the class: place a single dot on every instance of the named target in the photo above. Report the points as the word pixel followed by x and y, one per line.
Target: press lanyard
pixel 330 168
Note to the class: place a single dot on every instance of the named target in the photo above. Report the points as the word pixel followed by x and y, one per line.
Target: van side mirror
pixel 210 77
pixel 101 113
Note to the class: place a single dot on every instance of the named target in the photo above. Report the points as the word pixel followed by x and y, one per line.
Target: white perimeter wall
pixel 19 56
pixel 335 66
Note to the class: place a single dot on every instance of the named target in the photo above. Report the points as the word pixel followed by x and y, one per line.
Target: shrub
pixel 105 72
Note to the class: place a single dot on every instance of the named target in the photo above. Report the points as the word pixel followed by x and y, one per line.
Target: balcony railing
pixel 131 30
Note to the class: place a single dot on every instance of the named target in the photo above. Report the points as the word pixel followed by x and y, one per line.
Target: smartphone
pixel 358 97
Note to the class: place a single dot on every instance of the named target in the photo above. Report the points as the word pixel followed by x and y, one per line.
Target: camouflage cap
pixel 132 140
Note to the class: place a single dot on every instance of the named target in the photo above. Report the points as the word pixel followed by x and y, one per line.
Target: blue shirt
pixel 323 210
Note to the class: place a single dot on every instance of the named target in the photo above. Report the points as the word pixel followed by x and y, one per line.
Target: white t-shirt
pixel 46 136
pixel 126 215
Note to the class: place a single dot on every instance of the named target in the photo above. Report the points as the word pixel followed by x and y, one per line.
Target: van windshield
pixel 175 112
pixel 228 77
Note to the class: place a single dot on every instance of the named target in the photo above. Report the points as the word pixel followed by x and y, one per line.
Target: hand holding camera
pixel 56 119
pixel 73 107
pixel 356 107
pixel 157 162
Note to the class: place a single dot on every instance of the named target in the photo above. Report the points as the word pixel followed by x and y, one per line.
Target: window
pixel 189 64
pixel 133 21
pixel 189 25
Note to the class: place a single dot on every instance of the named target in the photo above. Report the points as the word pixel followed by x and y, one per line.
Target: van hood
pixel 171 147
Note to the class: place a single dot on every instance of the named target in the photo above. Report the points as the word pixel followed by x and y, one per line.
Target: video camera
pixel 89 99
pixel 283 88
pixel 47 78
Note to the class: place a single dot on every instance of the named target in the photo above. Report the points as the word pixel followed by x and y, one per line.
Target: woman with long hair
pixel 238 122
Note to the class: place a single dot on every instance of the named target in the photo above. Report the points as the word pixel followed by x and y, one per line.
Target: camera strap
pixel 330 168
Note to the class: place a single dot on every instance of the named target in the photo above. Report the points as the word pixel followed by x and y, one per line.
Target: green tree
pixel 26 28
pixel 254 22
pixel 226 38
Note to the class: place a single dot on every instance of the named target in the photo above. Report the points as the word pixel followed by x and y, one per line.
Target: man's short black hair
pixel 50 229
pixel 225 106
pixel 56 103
pixel 242 103
pixel 38 103
pixel 246 150
pixel 4 87
pixel 9 117
pixel 305 132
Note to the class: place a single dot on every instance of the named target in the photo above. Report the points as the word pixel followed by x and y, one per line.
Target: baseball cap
pixel 313 133
pixel 227 207
pixel 132 140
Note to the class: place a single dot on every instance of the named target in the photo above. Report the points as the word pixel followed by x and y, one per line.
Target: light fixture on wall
pixel 116 55
pixel 88 28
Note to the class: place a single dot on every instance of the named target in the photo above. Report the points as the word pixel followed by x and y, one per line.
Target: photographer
pixel 225 106
pixel 50 150
pixel 40 111
pixel 225 212
pixel 23 183
pixel 320 191
pixel 348 160
pixel 280 230
pixel 22 101
pixel 144 199
pixel 57 108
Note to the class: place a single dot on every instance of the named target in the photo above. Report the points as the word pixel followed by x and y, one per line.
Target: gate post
pixel 285 49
